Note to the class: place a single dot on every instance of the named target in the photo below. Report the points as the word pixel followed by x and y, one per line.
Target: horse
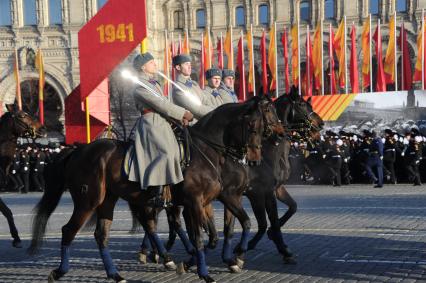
pixel 93 174
pixel 14 124
pixel 266 184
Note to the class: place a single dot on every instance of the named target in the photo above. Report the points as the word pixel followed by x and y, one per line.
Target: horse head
pixel 22 124
pixel 298 115
pixel 271 121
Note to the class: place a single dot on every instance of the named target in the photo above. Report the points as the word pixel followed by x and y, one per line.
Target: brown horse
pixel 93 175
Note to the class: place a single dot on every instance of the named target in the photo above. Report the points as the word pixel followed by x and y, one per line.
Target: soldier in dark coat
pixel 375 158
pixel 412 158
pixel 37 168
pixel 389 156
pixel 24 169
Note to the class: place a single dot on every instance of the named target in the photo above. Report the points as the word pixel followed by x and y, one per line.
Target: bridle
pixel 28 130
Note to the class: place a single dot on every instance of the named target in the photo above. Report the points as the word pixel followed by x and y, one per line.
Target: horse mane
pixel 213 124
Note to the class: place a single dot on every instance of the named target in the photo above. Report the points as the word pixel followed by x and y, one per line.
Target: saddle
pixel 183 140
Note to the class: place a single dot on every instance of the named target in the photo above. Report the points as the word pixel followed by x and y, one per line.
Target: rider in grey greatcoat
pixel 214 77
pixel 157 154
pixel 227 85
pixel 194 98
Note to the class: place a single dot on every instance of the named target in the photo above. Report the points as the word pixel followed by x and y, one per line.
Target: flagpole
pixel 330 54
pixel 167 63
pixel 298 56
pixel 187 41
pixel 402 34
pixel 322 58
pixel 276 61
pixel 221 49
pixel 209 55
pixel 308 40
pixel 18 81
pixel 252 60
pixel 371 58
pixel 232 50
pixel 423 49
pixel 396 62
pixel 346 61
pixel 242 67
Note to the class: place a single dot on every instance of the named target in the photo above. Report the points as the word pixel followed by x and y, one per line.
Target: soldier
pixel 314 159
pixel 412 158
pixel 375 158
pixel 157 160
pixel 214 77
pixel 15 176
pixel 227 85
pixel 333 159
pixel 13 231
pixel 37 169
pixel 389 156
pixel 24 169
pixel 345 152
pixel 194 98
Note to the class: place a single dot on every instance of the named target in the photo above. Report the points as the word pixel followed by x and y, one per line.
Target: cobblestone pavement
pixel 348 234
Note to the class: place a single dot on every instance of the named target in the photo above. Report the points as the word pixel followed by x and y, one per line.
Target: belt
pixel 336 156
pixel 391 149
pixel 314 151
pixel 374 152
pixel 146 111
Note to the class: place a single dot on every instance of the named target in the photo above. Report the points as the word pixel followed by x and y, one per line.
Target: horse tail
pixel 55 186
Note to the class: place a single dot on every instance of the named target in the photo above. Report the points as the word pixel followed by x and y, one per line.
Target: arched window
pixel 178 19
pixel 329 9
pixel 101 3
pixel 374 7
pixel 5 19
pixel 55 12
pixel 240 17
pixel 201 18
pixel 305 11
pixel 30 13
pixel 401 6
pixel 264 14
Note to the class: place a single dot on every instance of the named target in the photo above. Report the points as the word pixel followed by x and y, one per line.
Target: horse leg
pixel 175 225
pixel 234 204
pixel 149 222
pixel 258 206
pixel 283 196
pixel 274 233
pixel 211 227
pixel 69 230
pixel 228 233
pixel 194 216
pixel 105 216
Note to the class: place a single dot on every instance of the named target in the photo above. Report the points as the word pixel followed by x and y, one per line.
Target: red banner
pixel 107 39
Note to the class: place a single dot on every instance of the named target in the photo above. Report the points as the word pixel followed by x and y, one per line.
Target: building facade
pixel 53 25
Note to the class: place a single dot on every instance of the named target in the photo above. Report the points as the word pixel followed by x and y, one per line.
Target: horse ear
pixel 10 107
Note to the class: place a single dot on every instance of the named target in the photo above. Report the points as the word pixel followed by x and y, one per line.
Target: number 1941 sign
pixel 107 39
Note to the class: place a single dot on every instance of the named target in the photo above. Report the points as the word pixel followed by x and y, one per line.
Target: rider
pixel 227 85
pixel 157 154
pixel 182 65
pixel 214 76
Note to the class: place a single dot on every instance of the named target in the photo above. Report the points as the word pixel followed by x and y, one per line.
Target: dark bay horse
pixel 14 124
pixel 93 175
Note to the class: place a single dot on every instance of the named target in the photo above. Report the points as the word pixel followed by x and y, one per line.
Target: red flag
pixel 353 64
pixel 331 58
pixel 380 80
pixel 309 66
pixel 407 82
pixel 284 41
pixel 241 71
pixel 202 77
pixel 264 68
pixel 180 47
pixel 219 49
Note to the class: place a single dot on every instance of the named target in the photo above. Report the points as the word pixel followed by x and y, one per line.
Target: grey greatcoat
pixel 218 97
pixel 181 99
pixel 157 153
pixel 227 94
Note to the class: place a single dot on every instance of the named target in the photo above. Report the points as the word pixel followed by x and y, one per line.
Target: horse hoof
pixel 240 263
pixel 154 257
pixel 180 269
pixel 234 268
pixel 170 265
pixel 289 260
pixel 142 258
pixel 54 275
pixel 208 279
pixel 117 278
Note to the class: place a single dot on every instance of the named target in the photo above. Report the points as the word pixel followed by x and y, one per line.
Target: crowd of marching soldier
pixel 26 172
pixel 345 158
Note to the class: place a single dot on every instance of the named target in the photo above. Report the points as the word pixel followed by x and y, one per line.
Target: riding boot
pixel 156 196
